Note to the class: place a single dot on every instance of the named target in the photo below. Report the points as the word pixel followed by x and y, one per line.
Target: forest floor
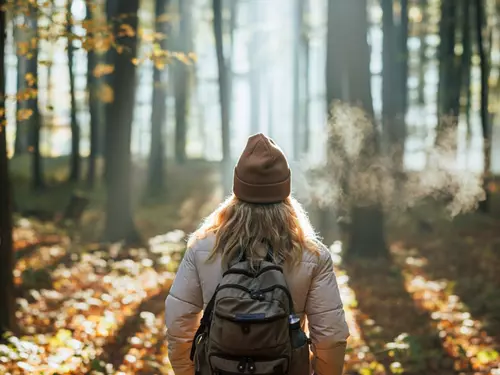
pixel 90 308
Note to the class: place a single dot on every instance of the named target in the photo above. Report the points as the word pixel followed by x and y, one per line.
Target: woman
pixel 261 209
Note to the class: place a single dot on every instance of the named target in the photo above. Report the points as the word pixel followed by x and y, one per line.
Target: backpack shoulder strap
pixel 242 256
pixel 204 323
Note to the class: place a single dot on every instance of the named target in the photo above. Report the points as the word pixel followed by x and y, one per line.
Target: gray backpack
pixel 249 326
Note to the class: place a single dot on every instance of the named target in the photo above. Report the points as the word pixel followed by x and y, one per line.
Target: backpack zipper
pixel 261 320
pixel 265 290
pixel 235 358
pixel 253 275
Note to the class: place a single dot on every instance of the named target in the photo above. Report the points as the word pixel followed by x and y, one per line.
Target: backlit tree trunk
pixel 75 128
pixel 156 181
pixel 485 125
pixel 450 77
pixel 35 119
pixel 119 220
pixel 93 109
pixel 351 82
pixel 223 96
pixel 182 80
pixel 7 300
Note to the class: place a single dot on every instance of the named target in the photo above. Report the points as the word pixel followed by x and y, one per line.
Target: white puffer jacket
pixel 315 294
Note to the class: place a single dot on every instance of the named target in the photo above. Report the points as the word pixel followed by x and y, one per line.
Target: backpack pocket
pixel 234 365
pixel 300 363
pixel 257 328
pixel 201 365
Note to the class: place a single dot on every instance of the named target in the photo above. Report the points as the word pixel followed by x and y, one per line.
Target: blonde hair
pixel 241 225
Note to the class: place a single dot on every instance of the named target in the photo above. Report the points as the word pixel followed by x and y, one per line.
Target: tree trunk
pixel 367 237
pixel 111 56
pixel 394 87
pixel 467 64
pixel 305 41
pixel 255 55
pixel 232 8
pixel 93 109
pixel 183 80
pixel 7 300
pixel 119 221
pixel 75 129
pixel 422 63
pixel 298 76
pixel 366 231
pixel 484 205
pixel 335 62
pixel 403 63
pixel 156 180
pixel 389 79
pixel 35 119
pixel 21 142
pixel 449 80
pixel 337 89
pixel 223 96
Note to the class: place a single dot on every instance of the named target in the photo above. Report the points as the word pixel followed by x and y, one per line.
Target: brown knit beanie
pixel 262 174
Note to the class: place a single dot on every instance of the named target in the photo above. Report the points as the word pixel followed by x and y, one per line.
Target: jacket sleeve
pixel 326 320
pixel 183 308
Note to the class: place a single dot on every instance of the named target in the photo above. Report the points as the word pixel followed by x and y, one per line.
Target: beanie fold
pixel 261 193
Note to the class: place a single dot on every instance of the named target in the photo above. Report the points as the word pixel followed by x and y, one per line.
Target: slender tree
pixel 75 128
pixel 119 221
pixel 389 79
pixel 93 105
pixel 422 61
pixel 182 80
pixel 335 62
pixel 485 125
pixel 402 60
pixel 110 58
pixel 7 301
pixel 466 61
pixel 32 104
pixel 450 75
pixel 306 44
pixel 298 76
pixel 223 94
pixel 394 86
pixel 255 54
pixel 156 182
pixel 232 8
pixel 21 141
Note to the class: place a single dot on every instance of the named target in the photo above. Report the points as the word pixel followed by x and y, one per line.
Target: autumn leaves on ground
pixel 89 308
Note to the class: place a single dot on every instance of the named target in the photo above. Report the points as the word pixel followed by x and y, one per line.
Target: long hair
pixel 239 225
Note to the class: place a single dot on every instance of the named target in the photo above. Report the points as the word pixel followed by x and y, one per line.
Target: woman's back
pixel 259 218
pixel 298 278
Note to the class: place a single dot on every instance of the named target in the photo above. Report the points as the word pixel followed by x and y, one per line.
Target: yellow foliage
pixel 24 114
pixel 23 48
pixel 126 30
pixel 103 69
pixel 30 79
pixel 26 94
